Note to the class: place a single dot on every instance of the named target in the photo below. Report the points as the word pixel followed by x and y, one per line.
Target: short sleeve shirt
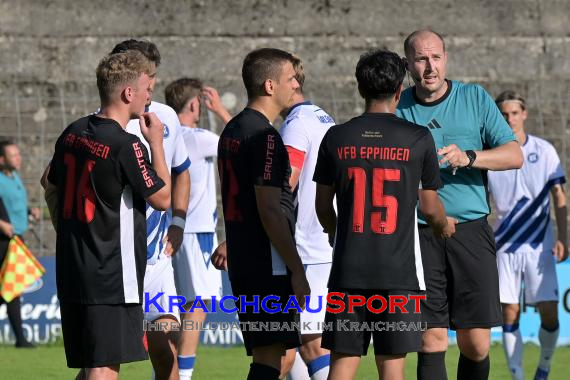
pixel 468 117
pixel 376 163
pixel 102 175
pixel 251 153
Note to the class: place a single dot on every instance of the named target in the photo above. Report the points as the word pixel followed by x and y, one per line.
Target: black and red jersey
pixel 102 174
pixel 251 153
pixel 376 163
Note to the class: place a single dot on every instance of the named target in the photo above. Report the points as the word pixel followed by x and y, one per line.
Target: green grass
pixel 48 362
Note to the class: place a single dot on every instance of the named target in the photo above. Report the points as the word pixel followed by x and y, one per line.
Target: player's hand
pixel 449 229
pixel 453 156
pixel 300 287
pixel 151 128
pixel 220 257
pixel 173 240
pixel 6 229
pixel 560 251
pixel 213 102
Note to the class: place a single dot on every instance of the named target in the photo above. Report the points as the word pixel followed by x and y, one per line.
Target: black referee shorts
pixel 461 277
pixel 102 335
pixel 254 336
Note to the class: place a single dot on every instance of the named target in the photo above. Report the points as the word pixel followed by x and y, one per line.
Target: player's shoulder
pixel 161 109
pixel 541 144
pixel 198 133
pixel 248 122
pixel 165 113
pixel 78 124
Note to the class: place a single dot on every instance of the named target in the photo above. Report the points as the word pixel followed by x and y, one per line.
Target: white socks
pixel 513 346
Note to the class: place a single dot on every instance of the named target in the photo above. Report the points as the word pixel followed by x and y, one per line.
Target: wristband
pixel 178 222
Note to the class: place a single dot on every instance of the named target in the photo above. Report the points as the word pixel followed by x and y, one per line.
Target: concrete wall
pixel 50 50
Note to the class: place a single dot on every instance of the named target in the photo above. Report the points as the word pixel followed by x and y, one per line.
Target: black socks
pixel 431 366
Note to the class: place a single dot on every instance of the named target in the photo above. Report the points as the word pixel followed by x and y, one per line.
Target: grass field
pixel 48 362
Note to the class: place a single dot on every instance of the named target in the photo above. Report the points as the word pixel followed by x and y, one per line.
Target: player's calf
pixel 266 362
pixel 316 357
pixel 391 366
pixel 474 345
pixel 547 336
pixel 162 349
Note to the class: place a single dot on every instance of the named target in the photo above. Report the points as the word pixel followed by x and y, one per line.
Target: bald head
pixel 420 34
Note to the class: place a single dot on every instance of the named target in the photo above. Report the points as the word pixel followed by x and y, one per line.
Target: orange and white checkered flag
pixel 19 270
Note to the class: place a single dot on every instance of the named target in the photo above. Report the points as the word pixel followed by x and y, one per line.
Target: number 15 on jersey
pixel 378 224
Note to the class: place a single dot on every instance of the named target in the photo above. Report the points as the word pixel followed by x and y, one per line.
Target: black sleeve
pixel 268 158
pixel 430 168
pixel 56 161
pixel 324 173
pixel 135 166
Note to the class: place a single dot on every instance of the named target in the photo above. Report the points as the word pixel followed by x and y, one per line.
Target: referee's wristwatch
pixel 472 157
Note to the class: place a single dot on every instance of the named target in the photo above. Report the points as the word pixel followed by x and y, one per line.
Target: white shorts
pixel 538 272
pixel 158 278
pixel 318 276
pixel 194 273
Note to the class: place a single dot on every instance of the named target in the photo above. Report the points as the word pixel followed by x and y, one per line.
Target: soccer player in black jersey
pixel 375 164
pixel 258 207
pixel 99 179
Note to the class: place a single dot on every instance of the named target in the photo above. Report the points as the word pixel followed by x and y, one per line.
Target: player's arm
pixel 44 178
pixel 214 103
pixel 220 257
pixel 50 196
pixel 560 213
pixel 296 159
pixel 325 210
pixel 434 212
pixel 430 204
pixel 275 224
pixel 180 197
pixel 153 131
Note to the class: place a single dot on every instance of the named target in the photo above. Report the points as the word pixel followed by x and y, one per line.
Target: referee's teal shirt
pixel 468 117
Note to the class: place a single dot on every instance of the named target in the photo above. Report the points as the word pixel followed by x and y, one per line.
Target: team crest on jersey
pixel 166 131
pixel 532 157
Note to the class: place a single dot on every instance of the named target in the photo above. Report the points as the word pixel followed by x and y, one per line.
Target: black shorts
pixel 288 333
pixel 393 333
pixel 461 277
pixel 102 335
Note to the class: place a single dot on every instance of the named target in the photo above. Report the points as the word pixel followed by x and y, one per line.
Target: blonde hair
pixel 117 70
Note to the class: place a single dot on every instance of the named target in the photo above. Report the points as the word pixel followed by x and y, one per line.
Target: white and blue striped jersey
pixel 202 146
pixel 304 128
pixel 157 222
pixel 522 199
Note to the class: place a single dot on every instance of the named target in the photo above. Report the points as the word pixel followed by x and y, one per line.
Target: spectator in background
pixel 14 214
